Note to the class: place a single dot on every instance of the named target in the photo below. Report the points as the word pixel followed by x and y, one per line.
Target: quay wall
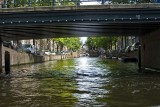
pixel 150 50
pixel 18 58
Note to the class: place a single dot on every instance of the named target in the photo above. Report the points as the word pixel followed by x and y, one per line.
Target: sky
pixel 83 39
pixel 90 3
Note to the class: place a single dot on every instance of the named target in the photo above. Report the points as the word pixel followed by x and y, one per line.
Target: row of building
pixel 39 45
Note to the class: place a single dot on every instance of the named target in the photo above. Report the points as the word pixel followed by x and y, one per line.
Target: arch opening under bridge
pixel 82 21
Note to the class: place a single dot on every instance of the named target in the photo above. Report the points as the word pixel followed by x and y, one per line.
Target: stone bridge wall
pixel 150 50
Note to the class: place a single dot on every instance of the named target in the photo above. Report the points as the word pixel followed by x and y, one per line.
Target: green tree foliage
pixel 26 3
pixel 21 3
pixel 66 3
pixel 92 43
pixel 72 43
pixel 43 2
pixel 103 42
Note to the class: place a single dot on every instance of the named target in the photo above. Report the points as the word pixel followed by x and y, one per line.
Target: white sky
pixel 90 3
pixel 83 39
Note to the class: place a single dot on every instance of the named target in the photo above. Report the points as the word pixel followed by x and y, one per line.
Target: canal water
pixel 80 82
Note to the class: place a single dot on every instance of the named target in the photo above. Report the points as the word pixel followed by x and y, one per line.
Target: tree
pixel 66 3
pixel 24 3
pixel 103 42
pixel 73 44
pixel 120 1
pixel 21 3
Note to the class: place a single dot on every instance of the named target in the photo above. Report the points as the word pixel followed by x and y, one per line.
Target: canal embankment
pixel 18 58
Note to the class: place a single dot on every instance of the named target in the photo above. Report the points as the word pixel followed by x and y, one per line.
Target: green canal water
pixel 80 82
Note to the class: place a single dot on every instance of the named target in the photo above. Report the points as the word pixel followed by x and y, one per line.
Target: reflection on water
pixel 81 82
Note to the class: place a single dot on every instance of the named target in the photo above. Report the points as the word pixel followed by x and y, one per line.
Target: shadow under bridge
pixel 78 22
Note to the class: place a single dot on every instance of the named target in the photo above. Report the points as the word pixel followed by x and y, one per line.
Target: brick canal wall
pixel 17 58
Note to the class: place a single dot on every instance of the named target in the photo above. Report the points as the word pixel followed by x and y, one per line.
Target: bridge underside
pixel 76 30
pixel 49 22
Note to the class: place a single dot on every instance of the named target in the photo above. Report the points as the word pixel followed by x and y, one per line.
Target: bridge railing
pixel 33 3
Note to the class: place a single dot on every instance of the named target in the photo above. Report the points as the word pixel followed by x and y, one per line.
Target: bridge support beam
pixel 150 50
pixel 0 55
pixel 7 62
pixel 139 57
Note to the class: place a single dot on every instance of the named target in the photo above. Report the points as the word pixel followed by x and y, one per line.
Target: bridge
pixel 104 20
pixel 79 21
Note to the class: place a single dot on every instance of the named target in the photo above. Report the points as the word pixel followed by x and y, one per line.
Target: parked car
pixel 28 48
pixel 52 53
pixel 128 49
pixel 61 53
pixel 8 44
pixel 46 52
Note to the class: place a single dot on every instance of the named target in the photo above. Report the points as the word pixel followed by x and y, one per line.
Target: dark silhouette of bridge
pixel 100 20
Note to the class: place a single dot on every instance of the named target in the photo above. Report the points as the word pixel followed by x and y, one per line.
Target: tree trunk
pixel 53 45
pixel 125 40
pixel 111 45
pixel 57 47
pixel 115 45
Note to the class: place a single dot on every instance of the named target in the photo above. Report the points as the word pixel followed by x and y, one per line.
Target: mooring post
pixel 61 56
pixel 139 57
pixel 0 55
pixel 7 62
